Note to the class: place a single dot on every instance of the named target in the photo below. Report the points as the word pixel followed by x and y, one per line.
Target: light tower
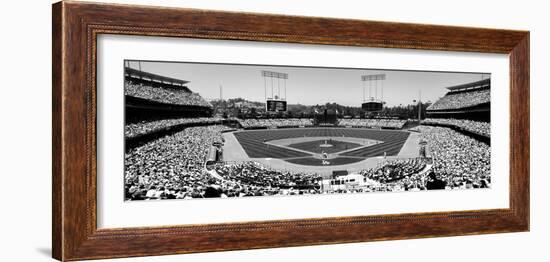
pixel 275 102
pixel 373 103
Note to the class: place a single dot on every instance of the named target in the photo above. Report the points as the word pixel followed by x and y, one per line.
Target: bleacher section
pixel 373 123
pixel 462 100
pixel 308 122
pixel 482 128
pixel 151 97
pixel 164 95
pixel 467 101
pixel 275 123
pixel 395 170
pixel 147 127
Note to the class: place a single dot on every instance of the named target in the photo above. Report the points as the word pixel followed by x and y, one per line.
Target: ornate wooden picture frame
pixel 76 27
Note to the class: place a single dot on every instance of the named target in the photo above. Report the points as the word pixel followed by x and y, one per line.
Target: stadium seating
pixel 460 161
pixel 373 123
pixel 163 95
pixel 482 128
pixel 272 123
pixel 171 165
pixel 145 127
pixel 254 174
pixel 462 99
pixel 395 170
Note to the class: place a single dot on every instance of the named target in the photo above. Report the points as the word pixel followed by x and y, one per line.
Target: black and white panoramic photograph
pixel 207 130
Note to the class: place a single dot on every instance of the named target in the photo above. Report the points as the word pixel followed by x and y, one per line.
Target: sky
pixel 309 85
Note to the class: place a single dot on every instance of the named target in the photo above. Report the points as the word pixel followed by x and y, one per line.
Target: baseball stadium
pixel 181 145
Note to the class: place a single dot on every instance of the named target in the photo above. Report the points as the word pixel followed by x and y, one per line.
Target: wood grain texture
pixel 57 195
pixel 76 27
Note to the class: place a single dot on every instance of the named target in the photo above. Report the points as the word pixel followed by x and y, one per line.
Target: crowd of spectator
pixel 389 176
pixel 462 99
pixel 253 179
pixel 164 95
pixel 145 127
pixel 394 170
pixel 460 161
pixel 373 123
pixel 260 180
pixel 482 128
pixel 394 175
pixel 272 123
pixel 307 122
pixel 171 166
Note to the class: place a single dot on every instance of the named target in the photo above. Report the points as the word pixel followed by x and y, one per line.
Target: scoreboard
pixel 372 106
pixel 276 105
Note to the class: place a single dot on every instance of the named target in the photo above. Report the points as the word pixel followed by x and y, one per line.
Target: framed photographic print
pixel 182 130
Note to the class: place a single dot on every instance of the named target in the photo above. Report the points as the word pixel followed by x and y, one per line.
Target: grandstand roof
pixel 128 71
pixel 471 85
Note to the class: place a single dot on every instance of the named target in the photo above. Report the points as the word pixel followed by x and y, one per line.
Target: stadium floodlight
pixel 373 103
pixel 373 77
pixel 275 102
pixel 274 74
